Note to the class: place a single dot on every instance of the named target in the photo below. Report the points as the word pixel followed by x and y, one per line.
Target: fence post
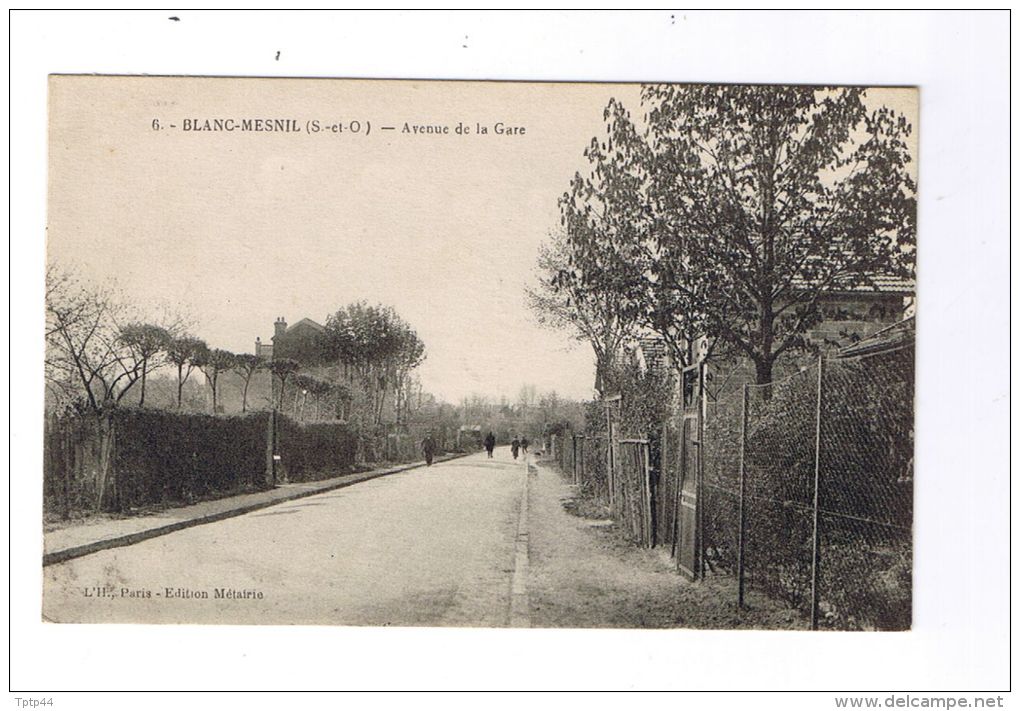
pixel 741 513
pixel 646 466
pixel 271 447
pixel 573 460
pixel 582 474
pixel 814 523
pixel 699 476
pixel 610 474
pixel 106 457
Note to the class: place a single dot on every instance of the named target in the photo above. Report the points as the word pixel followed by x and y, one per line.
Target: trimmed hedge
pixel 320 450
pixel 169 457
pixel 160 457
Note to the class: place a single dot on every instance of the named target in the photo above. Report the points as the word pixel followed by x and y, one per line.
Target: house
pixel 301 342
pixel 848 317
pixel 855 314
pixel 652 355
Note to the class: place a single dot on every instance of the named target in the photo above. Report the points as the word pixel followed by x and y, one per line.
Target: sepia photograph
pixel 498 351
pixel 484 354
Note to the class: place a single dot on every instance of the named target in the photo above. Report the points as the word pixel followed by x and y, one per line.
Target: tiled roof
pixel 307 322
pixel 881 283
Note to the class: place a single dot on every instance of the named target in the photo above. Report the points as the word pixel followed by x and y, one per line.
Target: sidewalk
pixel 75 541
pixel 583 574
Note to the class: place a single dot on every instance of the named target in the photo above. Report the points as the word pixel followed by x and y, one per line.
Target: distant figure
pixel 524 444
pixel 490 443
pixel 515 446
pixel 428 448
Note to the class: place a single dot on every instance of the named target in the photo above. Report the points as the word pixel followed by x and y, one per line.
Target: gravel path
pixel 583 574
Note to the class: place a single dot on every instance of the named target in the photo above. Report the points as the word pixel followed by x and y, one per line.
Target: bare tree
pixel 590 309
pixel 88 360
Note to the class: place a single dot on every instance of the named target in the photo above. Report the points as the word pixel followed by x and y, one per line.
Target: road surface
pixel 430 546
pixel 471 542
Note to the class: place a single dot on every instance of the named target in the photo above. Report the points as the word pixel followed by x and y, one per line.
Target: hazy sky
pixel 238 228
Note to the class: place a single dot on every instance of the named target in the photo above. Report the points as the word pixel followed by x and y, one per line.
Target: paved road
pixel 431 546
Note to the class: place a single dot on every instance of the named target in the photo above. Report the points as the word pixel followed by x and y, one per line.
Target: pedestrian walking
pixel 490 443
pixel 515 447
pixel 524 444
pixel 428 448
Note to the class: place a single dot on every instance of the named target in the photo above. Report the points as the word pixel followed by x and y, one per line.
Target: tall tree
pixel 186 353
pixel 146 343
pixel 283 369
pixel 765 199
pixel 588 308
pixel 217 361
pixel 87 360
pixel 246 365
pixel 593 274
pixel 376 346
pixel 734 210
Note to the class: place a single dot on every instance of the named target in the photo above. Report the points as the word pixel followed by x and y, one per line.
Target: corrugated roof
pixel 891 338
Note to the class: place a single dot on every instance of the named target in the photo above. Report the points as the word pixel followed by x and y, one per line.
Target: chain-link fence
pixel 721 490
pixel 866 493
pixel 808 493
pixel 803 490
pixel 779 481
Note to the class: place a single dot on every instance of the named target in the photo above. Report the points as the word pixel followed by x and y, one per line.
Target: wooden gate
pixel 688 465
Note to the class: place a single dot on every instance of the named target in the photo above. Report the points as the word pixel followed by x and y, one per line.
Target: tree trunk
pixel 180 387
pixel 244 395
pixel 141 401
pixel 763 371
pixel 763 376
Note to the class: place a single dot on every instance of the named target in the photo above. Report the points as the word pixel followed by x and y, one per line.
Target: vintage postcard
pixel 479 354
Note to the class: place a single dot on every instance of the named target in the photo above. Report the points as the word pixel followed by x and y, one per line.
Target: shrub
pixel 169 457
pixel 320 450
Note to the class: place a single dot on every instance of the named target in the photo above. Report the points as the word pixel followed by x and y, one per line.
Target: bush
pixel 167 457
pixel 309 452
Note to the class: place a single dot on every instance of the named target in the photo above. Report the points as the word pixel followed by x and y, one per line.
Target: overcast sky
pixel 240 228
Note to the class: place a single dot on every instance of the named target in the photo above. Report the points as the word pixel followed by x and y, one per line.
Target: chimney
pixel 280 327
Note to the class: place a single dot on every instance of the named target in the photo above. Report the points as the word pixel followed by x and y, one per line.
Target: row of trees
pixel 101 351
pixel 372 346
pixel 728 212
pixel 531 413
pixel 98 350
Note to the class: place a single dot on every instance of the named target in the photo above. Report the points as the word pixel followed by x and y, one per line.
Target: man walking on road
pixel 515 446
pixel 490 443
pixel 428 448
